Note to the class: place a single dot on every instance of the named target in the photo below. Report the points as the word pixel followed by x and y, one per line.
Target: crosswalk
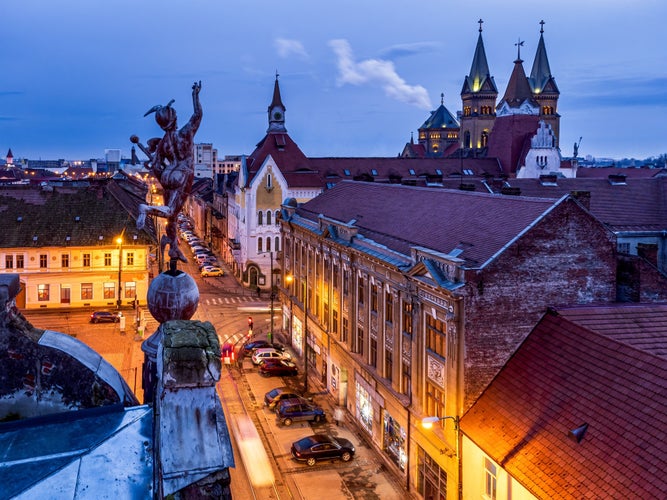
pixel 229 301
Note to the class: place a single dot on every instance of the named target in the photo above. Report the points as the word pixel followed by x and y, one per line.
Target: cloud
pixel 377 72
pixel 409 49
pixel 287 48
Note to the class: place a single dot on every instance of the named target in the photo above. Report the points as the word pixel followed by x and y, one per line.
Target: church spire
pixel 276 110
pixel 479 70
pixel 540 75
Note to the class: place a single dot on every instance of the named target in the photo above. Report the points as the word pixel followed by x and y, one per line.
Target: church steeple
pixel 276 110
pixel 518 92
pixel 478 98
pixel 543 86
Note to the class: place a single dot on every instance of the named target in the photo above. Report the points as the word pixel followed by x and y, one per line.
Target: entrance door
pixel 65 294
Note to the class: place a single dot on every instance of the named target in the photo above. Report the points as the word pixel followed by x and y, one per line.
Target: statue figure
pixel 171 160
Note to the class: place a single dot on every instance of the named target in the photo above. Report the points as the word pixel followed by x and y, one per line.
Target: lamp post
pixel 270 335
pixel 289 279
pixel 119 240
pixel 305 338
pixel 427 423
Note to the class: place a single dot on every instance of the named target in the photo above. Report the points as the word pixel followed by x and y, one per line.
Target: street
pixel 225 304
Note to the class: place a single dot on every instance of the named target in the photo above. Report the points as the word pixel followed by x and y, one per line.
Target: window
pixel 406 379
pixel 346 172
pixel 268 244
pixel 334 320
pixel 260 218
pixel 466 140
pixel 360 340
pixel 335 276
pixel 268 217
pixel 346 330
pixel 623 247
pixel 109 291
pixel 43 261
pixel 19 262
pixel 407 318
pixel 374 352
pixel 86 260
pixel 276 218
pixel 269 183
pixel 388 364
pixel 259 245
pixel 360 289
pixel 490 479
pixel 86 291
pixel 374 298
pixel 467 110
pixel 64 260
pixel 346 282
pixel 277 245
pixel 9 262
pixel 129 258
pixel 374 172
pixel 107 259
pixel 431 479
pixel 130 289
pixel 42 293
pixel 436 336
pixel 388 306
pixel 485 139
pixel 435 401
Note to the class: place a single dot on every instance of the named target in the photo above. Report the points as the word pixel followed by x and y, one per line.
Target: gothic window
pixel 467 110
pixel 276 217
pixel 268 244
pixel 277 245
pixel 485 138
pixel 260 218
pixel 268 217
pixel 259 245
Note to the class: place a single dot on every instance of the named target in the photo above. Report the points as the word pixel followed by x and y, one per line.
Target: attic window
pixel 412 171
pixel 34 238
pixel 617 180
pixel 549 180
pixel 467 171
pixel 19 219
pixel 438 171
pixel 374 172
pixel 77 218
pixel 100 237
pixel 67 238
pixel 346 172
pixel 134 237
pixel 578 433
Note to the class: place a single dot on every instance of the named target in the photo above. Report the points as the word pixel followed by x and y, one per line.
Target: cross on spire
pixel 518 46
pixel 542 26
pixel 442 98
pixel 480 25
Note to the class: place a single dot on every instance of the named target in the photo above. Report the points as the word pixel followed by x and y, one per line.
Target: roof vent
pixel 578 434
pixel 617 180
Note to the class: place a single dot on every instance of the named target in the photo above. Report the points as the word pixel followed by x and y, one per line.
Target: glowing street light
pixel 427 422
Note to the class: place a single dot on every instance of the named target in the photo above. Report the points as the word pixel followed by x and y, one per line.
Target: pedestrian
pixel 259 292
pixel 338 415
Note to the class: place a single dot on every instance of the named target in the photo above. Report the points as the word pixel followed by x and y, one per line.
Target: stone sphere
pixel 173 295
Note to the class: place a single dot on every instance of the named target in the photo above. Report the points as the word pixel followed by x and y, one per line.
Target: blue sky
pixel 357 77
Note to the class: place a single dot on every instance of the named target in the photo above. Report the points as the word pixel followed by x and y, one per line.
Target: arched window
pixel 466 139
pixel 268 217
pixel 260 217
pixel 268 181
pixel 277 244
pixel 268 243
pixel 276 218
pixel 259 245
pixel 485 138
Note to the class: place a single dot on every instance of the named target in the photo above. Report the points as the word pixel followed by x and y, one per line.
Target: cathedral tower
pixel 544 89
pixel 478 98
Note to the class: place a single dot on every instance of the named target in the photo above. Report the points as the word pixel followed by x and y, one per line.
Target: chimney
pixel 583 197
pixel 648 251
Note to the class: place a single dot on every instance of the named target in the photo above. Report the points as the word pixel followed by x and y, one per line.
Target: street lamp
pixel 427 422
pixel 119 240
pixel 289 279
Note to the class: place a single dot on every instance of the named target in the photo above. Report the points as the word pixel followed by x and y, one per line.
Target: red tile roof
pixel 563 376
pixel 479 224
pixel 643 326
pixel 639 204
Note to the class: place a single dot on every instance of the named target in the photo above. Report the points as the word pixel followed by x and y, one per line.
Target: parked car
pixel 211 271
pixel 298 410
pixel 322 447
pixel 278 368
pixel 105 316
pixel 268 353
pixel 274 396
pixel 250 346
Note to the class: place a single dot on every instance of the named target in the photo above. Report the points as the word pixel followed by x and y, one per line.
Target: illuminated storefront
pixel 394 441
pixel 364 407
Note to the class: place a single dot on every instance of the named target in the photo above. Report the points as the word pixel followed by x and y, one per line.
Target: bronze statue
pixel 171 160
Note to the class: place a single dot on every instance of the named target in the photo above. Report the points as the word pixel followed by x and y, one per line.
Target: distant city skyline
pixel 357 78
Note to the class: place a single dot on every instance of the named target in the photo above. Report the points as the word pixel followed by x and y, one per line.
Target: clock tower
pixel 276 111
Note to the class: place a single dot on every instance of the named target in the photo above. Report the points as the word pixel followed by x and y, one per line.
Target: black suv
pixel 102 316
pixel 298 409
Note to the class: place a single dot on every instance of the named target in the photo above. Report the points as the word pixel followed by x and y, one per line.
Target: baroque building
pixel 403 314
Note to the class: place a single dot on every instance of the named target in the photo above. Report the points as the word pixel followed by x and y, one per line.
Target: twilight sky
pixel 356 76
